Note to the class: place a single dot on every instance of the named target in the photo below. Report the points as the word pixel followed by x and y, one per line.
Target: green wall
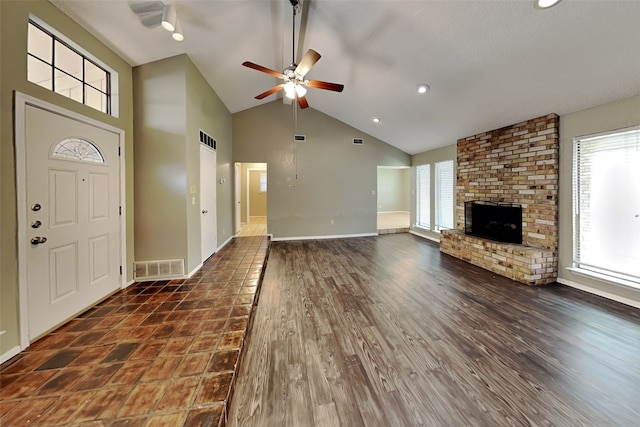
pixel 14 16
pixel 313 183
pixel 393 189
pixel 173 102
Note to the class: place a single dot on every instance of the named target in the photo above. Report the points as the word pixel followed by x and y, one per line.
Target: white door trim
pixel 21 102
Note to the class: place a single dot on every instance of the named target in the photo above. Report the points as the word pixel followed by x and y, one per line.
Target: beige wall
pixel 14 16
pixel 393 189
pixel 310 184
pixel 429 157
pixel 244 170
pixel 616 115
pixel 173 103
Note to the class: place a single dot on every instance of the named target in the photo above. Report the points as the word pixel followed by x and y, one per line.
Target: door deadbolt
pixel 36 224
pixel 36 207
pixel 38 240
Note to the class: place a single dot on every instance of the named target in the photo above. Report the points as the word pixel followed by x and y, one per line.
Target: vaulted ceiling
pixel 489 63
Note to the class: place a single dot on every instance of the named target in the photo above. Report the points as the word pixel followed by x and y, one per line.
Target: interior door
pixel 238 196
pixel 72 211
pixel 208 221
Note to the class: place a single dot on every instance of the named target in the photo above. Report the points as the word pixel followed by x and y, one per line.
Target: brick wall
pixel 514 164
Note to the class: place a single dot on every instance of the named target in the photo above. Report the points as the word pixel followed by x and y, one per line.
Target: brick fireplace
pixel 515 164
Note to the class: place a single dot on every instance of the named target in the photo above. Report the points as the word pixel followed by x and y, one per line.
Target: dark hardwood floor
pixel 387 331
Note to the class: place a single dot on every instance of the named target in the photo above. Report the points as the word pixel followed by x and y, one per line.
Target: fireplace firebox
pixel 491 220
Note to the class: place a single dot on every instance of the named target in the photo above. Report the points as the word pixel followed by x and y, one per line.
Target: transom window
pixel 56 65
pixel 77 149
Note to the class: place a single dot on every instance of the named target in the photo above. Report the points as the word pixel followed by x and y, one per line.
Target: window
pixel 263 182
pixel 77 149
pixel 423 196
pixel 55 65
pixel 444 195
pixel 606 208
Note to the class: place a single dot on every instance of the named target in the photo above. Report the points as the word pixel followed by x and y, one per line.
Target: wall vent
pixel 207 140
pixel 161 269
pixel 358 141
pixel 300 138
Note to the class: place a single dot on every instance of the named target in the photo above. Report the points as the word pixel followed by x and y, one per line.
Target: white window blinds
pixel 606 190
pixel 423 195
pixel 444 194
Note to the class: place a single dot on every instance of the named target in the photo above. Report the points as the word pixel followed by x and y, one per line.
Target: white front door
pixel 72 217
pixel 208 222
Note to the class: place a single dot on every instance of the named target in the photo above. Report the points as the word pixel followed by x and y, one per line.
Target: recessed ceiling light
pixel 376 120
pixel 546 4
pixel 423 88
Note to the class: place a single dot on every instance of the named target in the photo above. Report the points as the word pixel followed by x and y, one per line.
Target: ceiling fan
pixel 294 84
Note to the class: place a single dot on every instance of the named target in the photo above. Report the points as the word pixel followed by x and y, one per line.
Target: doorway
pixel 251 190
pixel 70 216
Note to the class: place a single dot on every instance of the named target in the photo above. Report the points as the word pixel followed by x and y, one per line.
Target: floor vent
pixel 154 270
pixel 358 141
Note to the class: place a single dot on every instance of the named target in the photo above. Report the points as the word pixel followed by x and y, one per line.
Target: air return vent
pixel 358 141
pixel 208 140
pixel 300 138
pixel 162 269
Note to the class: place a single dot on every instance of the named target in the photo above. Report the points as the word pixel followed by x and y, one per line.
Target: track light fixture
pixel 169 18
pixel 177 34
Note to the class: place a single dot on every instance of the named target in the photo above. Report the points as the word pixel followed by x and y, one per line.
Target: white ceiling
pixel 490 63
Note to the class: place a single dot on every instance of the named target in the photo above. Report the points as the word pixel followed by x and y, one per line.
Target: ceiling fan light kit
pixel 295 86
pixel 546 4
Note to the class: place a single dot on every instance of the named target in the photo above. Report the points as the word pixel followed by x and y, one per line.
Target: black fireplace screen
pixel 495 221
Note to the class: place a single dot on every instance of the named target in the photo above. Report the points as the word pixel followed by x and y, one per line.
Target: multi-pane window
pixel 263 182
pixel 606 191
pixel 423 196
pixel 54 64
pixel 444 194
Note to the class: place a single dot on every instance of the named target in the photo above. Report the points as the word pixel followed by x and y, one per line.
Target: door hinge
pixel 118 151
pixel 121 270
pixel 120 210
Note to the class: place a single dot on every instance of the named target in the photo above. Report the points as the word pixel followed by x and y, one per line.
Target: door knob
pixel 204 211
pixel 38 240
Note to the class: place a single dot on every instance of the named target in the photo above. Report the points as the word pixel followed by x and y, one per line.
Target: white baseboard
pixel 424 236
pixel 225 243
pixel 336 236
pixel 599 292
pixel 10 353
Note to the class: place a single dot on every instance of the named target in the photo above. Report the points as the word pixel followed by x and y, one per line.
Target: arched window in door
pixel 77 149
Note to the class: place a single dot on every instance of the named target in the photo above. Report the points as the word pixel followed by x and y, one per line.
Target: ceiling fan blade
pixel 308 60
pixel 324 85
pixel 263 69
pixel 302 101
pixel 270 91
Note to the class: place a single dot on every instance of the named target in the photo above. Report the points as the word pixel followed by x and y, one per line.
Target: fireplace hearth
pixel 501 222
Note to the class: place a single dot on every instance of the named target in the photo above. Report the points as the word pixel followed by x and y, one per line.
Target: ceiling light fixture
pixel 177 34
pixel 169 18
pixel 376 120
pixel 423 88
pixel 546 4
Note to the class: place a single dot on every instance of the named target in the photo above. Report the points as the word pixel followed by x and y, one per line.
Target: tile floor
pixel 257 226
pixel 154 354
